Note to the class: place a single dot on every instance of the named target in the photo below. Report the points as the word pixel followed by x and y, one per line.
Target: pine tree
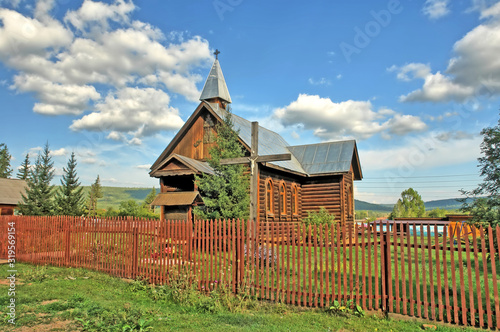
pixel 5 169
pixel 149 199
pixel 226 193
pixel 94 194
pixel 69 198
pixel 24 171
pixel 38 200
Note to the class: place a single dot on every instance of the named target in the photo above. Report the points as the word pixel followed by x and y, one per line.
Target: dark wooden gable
pixel 195 139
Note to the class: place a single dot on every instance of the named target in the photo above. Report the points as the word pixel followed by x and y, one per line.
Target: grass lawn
pixel 67 299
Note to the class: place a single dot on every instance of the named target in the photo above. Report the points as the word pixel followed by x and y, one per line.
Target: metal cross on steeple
pixel 216 54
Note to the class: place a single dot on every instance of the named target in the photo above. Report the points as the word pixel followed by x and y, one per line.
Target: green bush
pixel 319 218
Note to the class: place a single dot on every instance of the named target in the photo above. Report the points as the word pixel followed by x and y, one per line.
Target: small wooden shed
pixel 11 191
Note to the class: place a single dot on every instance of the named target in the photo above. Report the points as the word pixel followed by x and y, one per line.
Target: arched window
pixel 295 200
pixel 269 196
pixel 283 198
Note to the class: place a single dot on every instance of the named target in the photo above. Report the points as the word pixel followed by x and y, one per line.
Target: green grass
pixel 93 301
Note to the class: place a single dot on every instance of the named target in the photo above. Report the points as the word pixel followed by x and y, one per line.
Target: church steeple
pixel 215 89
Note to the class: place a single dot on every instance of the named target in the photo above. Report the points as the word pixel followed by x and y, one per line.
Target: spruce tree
pixel 24 171
pixel 226 193
pixel 5 169
pixel 69 198
pixel 38 200
pixel 94 194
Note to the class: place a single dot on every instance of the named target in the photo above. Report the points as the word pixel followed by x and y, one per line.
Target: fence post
pixel 135 248
pixel 384 269
pixel 387 267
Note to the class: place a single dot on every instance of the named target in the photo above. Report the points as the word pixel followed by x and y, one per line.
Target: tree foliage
pixel 5 169
pixel 38 200
pixel 95 193
pixel 226 193
pixel 69 197
pixel 485 207
pixel 24 171
pixel 149 199
pixel 410 205
pixel 131 208
pixel 438 213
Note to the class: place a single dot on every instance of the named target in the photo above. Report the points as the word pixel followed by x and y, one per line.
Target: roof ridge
pixel 321 143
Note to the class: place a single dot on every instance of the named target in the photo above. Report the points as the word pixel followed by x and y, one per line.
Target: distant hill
pixel 360 205
pixel 113 196
pixel 447 204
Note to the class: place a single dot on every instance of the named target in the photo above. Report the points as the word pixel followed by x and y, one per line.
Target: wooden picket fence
pixel 431 271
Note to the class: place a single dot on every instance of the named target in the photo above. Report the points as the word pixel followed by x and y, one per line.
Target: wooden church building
pixel 317 175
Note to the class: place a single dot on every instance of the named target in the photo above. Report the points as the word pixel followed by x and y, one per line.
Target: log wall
pixel 323 193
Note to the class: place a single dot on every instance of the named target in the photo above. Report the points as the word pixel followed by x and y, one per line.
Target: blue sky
pixel 414 82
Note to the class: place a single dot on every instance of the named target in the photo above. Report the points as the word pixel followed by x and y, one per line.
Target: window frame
pixel 283 210
pixel 269 197
pixel 295 200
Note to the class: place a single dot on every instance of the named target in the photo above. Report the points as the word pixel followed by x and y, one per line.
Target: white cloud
pixel 132 111
pixel 435 9
pixel 100 51
pixel 411 71
pixel 147 166
pixel 97 14
pixel 474 70
pixel 59 152
pixel 321 81
pixel 56 99
pixel 330 120
pixel 439 88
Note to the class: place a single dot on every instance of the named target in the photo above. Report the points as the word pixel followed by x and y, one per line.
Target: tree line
pixel 41 198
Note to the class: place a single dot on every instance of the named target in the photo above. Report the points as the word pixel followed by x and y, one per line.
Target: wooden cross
pixel 254 161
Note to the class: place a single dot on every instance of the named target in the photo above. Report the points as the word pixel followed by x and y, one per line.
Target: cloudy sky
pixel 414 82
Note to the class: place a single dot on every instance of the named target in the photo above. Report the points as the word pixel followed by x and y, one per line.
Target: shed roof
pixel 177 198
pixel 11 191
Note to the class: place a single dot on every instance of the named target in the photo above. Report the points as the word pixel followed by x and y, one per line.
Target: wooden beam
pixel 274 157
pixel 254 181
pixel 235 161
pixel 260 159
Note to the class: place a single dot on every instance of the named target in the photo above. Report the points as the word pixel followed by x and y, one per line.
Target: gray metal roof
pixel 200 166
pixel 269 141
pixel 11 191
pixel 330 157
pixel 215 86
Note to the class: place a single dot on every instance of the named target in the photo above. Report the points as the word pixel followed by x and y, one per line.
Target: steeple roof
pixel 215 86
